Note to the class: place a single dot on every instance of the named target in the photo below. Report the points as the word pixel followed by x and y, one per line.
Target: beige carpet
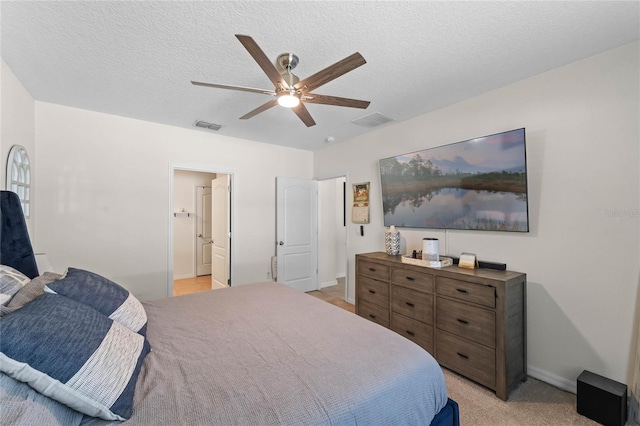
pixel 532 403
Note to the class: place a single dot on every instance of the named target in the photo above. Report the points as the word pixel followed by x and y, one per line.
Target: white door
pixel 203 231
pixel 220 225
pixel 297 232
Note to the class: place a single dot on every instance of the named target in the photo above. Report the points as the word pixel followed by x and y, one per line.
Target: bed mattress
pixel 266 354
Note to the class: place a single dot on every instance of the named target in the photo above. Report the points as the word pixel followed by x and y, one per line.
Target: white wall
pixel 103 194
pixel 184 228
pixel 582 264
pixel 16 128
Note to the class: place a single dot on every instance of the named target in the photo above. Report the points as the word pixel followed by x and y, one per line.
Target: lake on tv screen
pixel 455 208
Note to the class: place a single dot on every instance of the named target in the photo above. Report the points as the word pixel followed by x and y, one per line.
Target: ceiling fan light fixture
pixel 289 91
pixel 288 100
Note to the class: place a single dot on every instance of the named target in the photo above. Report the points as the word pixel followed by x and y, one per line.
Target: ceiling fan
pixel 289 90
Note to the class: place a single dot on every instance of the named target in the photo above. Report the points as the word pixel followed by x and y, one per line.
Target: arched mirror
pixel 19 176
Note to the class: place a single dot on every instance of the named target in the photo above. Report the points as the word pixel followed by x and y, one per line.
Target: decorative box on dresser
pixel 473 321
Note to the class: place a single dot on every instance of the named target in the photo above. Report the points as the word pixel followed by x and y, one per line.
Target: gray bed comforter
pixel 265 354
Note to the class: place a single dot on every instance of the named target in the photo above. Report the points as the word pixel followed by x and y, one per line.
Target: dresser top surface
pixel 479 273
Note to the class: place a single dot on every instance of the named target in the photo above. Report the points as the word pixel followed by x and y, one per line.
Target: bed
pixel 256 354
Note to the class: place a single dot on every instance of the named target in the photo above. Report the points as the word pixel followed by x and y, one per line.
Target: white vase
pixel 392 241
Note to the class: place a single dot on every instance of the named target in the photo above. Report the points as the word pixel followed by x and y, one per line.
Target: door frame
pixel 344 175
pixel 202 169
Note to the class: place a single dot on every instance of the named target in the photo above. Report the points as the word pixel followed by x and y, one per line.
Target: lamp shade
pixel 288 101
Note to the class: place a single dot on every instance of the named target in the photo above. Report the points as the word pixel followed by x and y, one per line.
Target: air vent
pixel 206 125
pixel 373 120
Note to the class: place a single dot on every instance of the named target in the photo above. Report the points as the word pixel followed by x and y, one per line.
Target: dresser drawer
pixel 470 359
pixel 418 280
pixel 466 321
pixel 469 292
pixel 416 331
pixel 373 270
pixel 373 313
pixel 412 304
pixel 373 291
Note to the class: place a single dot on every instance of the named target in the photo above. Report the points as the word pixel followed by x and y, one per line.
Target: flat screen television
pixel 478 184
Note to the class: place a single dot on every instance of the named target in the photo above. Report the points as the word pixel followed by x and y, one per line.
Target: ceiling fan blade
pixel 314 98
pixel 302 112
pixel 258 55
pixel 239 88
pixel 331 72
pixel 261 108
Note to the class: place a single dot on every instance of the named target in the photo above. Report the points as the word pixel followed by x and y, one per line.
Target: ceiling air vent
pixel 373 120
pixel 205 125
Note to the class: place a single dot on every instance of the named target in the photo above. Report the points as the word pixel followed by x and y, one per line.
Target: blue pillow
pixel 103 295
pixel 73 354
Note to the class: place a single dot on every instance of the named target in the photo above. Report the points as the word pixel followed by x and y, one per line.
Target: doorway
pixel 332 240
pixel 200 234
pixel 311 235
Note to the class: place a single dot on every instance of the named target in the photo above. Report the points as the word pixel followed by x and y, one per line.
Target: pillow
pixel 22 405
pixel 30 291
pixel 11 281
pixel 73 354
pixel 103 295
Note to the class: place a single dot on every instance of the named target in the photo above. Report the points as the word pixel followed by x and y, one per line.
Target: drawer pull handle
pixel 410 304
pixel 372 291
pixel 372 269
pixel 462 355
pixel 463 321
pixel 410 278
pixel 411 333
pixel 462 290
pixel 372 316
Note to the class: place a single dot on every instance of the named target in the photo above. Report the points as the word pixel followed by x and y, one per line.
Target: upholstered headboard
pixel 15 246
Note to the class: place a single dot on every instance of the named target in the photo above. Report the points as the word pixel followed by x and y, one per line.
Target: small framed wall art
pixel 360 208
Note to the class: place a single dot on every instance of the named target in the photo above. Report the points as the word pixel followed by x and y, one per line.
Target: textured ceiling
pixel 136 59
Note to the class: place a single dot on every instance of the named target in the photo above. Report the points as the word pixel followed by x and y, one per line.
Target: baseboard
pixel 552 379
pixel 353 302
pixel 328 283
pixel 182 277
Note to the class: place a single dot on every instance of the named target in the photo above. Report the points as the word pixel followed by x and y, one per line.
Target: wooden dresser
pixel 472 321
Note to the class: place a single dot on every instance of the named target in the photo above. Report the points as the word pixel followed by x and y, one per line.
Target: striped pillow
pixel 11 281
pixel 30 291
pixel 73 354
pixel 103 295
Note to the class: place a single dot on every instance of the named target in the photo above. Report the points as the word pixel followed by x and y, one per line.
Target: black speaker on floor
pixel 602 399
